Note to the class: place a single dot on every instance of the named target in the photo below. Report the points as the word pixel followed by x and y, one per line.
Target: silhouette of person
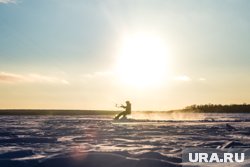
pixel 126 112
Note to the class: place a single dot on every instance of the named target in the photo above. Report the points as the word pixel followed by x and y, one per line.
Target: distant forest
pixel 219 108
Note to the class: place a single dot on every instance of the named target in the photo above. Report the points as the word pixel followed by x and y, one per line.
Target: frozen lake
pixel 36 139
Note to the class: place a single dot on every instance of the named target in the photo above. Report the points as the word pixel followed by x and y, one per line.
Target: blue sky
pixel 61 53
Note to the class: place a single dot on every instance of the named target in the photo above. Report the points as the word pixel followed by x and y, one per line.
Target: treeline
pixel 219 108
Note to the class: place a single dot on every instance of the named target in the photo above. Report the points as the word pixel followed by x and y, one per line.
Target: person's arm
pixel 122 106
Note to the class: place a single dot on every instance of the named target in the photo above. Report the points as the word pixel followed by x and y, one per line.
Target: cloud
pixel 7 1
pixel 186 78
pixel 183 78
pixel 202 79
pixel 30 78
pixel 9 77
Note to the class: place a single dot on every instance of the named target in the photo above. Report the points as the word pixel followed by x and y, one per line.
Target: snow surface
pixel 97 141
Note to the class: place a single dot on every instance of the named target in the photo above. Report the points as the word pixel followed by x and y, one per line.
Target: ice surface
pixel 99 141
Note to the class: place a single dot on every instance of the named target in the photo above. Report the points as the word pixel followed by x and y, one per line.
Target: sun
pixel 142 60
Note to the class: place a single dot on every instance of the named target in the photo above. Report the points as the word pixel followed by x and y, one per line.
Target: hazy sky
pixel 66 53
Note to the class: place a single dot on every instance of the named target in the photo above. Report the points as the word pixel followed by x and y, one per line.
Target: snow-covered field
pixel 97 141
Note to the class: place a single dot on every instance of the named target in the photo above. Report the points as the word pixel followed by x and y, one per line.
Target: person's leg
pixel 125 114
pixel 120 114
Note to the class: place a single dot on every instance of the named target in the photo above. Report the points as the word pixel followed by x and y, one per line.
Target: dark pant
pixel 124 113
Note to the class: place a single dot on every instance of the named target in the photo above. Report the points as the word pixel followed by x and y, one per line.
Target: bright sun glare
pixel 143 60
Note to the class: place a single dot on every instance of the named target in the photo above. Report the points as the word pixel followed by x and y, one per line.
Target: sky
pixel 93 54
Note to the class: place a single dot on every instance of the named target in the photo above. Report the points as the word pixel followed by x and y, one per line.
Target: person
pixel 126 112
